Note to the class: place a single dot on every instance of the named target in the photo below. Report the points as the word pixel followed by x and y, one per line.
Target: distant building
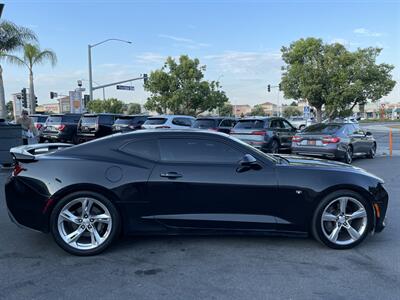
pixel 270 109
pixel 239 110
pixel 48 108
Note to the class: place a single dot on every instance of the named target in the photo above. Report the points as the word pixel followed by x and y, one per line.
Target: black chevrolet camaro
pixel 187 182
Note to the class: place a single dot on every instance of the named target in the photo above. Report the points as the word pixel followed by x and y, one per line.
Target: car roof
pixel 132 116
pixel 171 116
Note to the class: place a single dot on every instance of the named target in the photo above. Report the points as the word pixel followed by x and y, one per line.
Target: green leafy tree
pixel 226 110
pixel 330 76
pixel 134 108
pixel 180 88
pixel 290 111
pixel 12 38
pixel 257 110
pixel 32 55
pixel 110 105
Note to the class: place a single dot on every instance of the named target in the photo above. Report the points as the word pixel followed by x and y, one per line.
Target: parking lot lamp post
pixel 90 61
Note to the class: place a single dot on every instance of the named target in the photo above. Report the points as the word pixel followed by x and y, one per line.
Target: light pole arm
pixel 107 40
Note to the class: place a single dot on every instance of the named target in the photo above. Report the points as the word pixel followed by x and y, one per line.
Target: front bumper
pixel 380 207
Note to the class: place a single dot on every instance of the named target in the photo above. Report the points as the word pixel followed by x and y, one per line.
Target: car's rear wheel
pixel 84 223
pixel 348 156
pixel 342 220
pixel 372 151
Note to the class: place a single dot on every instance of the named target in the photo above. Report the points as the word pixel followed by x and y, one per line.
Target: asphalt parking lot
pixel 32 266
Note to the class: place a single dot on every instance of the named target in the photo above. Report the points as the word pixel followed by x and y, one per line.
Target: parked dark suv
pixel 128 123
pixel 269 134
pixel 60 128
pixel 220 124
pixel 92 126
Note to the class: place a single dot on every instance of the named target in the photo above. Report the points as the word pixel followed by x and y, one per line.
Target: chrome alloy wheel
pixel 344 220
pixel 84 223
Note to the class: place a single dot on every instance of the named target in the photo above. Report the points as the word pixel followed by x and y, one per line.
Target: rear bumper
pixel 56 136
pixel 26 201
pixel 319 151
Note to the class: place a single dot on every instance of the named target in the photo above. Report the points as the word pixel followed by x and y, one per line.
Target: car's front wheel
pixel 372 151
pixel 342 220
pixel 84 223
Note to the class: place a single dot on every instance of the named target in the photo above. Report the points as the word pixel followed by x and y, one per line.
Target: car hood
pixel 323 164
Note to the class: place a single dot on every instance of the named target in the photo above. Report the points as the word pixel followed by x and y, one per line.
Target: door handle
pixel 171 175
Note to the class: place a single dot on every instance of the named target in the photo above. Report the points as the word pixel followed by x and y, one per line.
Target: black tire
pixel 115 219
pixel 274 146
pixel 372 152
pixel 316 226
pixel 301 127
pixel 348 156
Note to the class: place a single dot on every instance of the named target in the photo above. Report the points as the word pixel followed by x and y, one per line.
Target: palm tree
pixel 12 37
pixel 33 55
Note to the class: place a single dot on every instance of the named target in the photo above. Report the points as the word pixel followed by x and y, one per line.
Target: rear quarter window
pixel 250 124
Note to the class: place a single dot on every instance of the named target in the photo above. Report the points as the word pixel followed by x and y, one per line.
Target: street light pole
pixel 90 62
pixel 90 73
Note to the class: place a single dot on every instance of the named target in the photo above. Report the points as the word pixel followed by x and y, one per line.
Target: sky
pixel 238 41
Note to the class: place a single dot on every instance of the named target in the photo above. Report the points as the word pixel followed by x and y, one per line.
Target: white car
pixel 301 122
pixel 169 121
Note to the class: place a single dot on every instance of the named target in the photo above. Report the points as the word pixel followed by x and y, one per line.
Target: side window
pixel 182 122
pixel 197 150
pixel 349 129
pixel 142 148
pixel 275 124
pixel 357 129
pixel 287 125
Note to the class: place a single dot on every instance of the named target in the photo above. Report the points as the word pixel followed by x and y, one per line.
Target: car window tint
pixel 89 120
pixel 107 119
pixel 182 122
pixel 142 148
pixel 71 118
pixel 53 119
pixel 197 150
pixel 322 128
pixel 205 123
pixel 226 123
pixel 250 124
pixel 155 121
pixel 276 124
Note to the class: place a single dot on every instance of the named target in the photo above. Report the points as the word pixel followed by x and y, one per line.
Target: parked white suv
pixel 169 121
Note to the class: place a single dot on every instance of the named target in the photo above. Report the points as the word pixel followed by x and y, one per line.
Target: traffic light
pixel 24 99
pixel 145 78
pixel 269 88
pixel 86 99
pixel 36 102
pixel 53 95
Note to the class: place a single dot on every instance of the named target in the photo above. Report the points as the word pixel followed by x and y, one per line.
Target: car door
pixel 196 185
pixel 356 138
pixel 365 141
pixel 290 131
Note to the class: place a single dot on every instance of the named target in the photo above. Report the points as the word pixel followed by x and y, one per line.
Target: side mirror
pixel 368 133
pixel 248 162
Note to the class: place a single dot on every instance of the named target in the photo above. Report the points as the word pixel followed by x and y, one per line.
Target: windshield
pixel 53 120
pixel 205 123
pixel 155 121
pixel 123 121
pixel 322 128
pixel 89 120
pixel 250 124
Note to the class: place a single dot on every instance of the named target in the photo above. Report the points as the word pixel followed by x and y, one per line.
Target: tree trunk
pixel 3 110
pixel 319 114
pixel 32 93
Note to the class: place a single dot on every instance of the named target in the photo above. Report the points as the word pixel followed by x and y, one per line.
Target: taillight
pixel 259 132
pixel 17 169
pixel 330 140
pixel 163 127
pixel 296 139
pixel 38 126
pixel 61 127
